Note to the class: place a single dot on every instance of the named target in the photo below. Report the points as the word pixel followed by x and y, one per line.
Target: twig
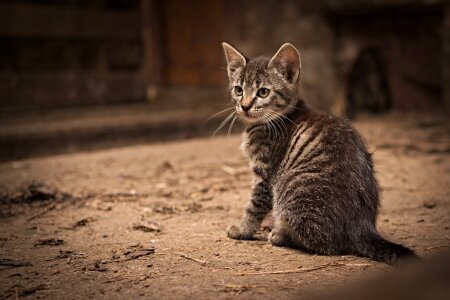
pixel 14 263
pixel 9 264
pixel 448 238
pixel 356 265
pixel 229 170
pixel 436 247
pixel 193 259
pixel 106 244
pixel 304 270
pixel 238 289
pixel 43 212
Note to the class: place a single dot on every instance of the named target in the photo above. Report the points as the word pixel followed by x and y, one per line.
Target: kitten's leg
pixel 279 235
pixel 258 207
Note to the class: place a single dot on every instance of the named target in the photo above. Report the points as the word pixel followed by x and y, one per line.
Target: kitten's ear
pixel 235 59
pixel 287 62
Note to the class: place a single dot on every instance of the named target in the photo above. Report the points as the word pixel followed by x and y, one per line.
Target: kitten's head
pixel 263 88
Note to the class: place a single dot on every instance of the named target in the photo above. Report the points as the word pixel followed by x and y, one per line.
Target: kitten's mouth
pixel 249 116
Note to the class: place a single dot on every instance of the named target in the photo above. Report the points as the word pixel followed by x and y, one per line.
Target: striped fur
pixel 310 169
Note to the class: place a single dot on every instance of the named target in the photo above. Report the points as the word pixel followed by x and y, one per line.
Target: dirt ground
pixel 149 221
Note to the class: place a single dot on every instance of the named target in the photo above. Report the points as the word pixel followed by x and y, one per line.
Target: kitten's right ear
pixel 235 59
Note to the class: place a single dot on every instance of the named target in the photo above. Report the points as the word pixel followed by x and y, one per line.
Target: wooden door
pixel 193 36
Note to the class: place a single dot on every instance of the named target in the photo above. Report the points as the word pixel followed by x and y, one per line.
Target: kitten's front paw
pixel 238 233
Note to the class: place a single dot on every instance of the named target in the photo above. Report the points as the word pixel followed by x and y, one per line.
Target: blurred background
pixel 79 75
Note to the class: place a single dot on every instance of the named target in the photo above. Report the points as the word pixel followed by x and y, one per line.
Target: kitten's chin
pixel 249 119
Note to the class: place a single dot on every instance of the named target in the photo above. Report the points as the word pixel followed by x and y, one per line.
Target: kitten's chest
pixel 263 149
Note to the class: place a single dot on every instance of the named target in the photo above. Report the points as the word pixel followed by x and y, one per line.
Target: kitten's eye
pixel 263 92
pixel 238 90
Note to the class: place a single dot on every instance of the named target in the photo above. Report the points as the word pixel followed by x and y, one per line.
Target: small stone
pixel 429 205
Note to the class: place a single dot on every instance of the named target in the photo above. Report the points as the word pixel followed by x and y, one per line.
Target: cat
pixel 312 170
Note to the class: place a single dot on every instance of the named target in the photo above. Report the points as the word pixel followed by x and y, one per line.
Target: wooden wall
pixel 192 38
pixel 409 41
pixel 69 52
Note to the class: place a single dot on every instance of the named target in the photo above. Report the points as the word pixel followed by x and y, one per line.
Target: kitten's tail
pixel 373 246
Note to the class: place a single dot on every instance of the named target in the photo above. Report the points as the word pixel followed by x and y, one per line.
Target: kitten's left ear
pixel 287 62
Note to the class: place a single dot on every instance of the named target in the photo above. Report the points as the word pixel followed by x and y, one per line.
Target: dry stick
pixel 43 212
pixel 193 259
pixel 88 196
pixel 436 247
pixel 14 263
pixel 303 270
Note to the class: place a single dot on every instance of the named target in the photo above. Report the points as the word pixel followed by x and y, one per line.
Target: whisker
pixel 278 122
pixel 231 125
pixel 283 127
pixel 266 122
pixel 224 122
pixel 277 125
pixel 282 122
pixel 273 125
pixel 222 104
pixel 295 107
pixel 220 112
pixel 280 119
pixel 287 118
pixel 272 130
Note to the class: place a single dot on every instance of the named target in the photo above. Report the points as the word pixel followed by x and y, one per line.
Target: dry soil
pixel 149 221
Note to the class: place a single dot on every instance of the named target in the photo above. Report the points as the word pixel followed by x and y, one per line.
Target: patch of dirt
pixel 149 221
pixel 33 192
pixel 49 242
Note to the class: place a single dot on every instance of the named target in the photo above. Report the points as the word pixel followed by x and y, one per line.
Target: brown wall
pixel 409 41
pixel 59 53
pixel 192 37
pixel 72 52
pixel 261 27
pixel 332 34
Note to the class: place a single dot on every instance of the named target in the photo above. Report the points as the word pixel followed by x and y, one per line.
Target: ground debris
pixel 236 288
pixel 13 263
pixel 131 253
pixel 429 205
pixel 98 204
pixel 36 194
pixel 305 270
pixel 193 207
pixel 436 247
pixel 98 266
pixel 202 262
pixel 67 254
pixel 138 252
pixel 80 223
pixel 165 166
pixel 49 242
pixel 22 291
pixel 131 195
pixel 165 209
pixel 31 290
pixel 83 222
pixel 33 192
pixel 233 171
pixel 149 227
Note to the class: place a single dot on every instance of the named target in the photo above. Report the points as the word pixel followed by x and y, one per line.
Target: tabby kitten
pixel 311 169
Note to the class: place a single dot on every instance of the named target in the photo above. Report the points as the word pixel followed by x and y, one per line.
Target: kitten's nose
pixel 246 108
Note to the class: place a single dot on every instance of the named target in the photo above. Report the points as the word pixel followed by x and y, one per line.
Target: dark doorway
pixel 368 88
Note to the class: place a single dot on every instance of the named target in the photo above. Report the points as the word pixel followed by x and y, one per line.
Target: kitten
pixel 311 169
